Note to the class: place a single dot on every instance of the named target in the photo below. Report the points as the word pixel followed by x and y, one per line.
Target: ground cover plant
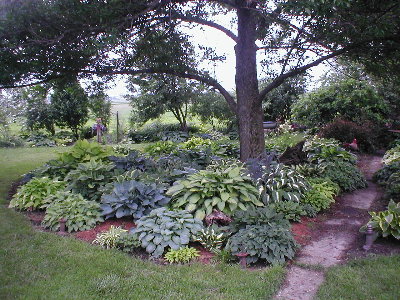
pixel 182 255
pixel 34 263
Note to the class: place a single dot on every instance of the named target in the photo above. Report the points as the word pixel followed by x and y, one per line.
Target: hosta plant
pixel 211 238
pixel 393 187
pixel 133 160
pixel 326 154
pixel 345 174
pixel 196 143
pixel 383 175
pixel 32 195
pixel 386 222
pixel 79 213
pixel 269 242
pixel 132 198
pixel 88 178
pixel 108 239
pixel 128 242
pixel 291 210
pixel 182 255
pixel 163 229
pixel 392 155
pixel 225 189
pixel 309 170
pixel 84 151
pixel 322 193
pixel 282 183
pixel 161 148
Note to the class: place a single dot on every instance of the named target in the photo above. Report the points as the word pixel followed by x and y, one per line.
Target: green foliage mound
pixel 132 198
pixel 33 194
pixel 322 193
pixel 182 255
pixel 291 210
pixel 224 188
pixel 345 174
pixel 80 214
pixel 88 179
pixel 392 155
pixel 163 229
pixel 84 151
pixel 263 235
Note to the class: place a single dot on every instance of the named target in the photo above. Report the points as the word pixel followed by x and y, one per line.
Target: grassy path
pixel 39 265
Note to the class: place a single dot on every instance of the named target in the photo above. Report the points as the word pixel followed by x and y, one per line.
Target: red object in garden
pixel 352 146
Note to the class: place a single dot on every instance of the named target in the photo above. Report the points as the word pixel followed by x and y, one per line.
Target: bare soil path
pixel 336 234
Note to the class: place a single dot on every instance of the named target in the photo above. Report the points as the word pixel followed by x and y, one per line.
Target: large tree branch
pixel 296 71
pixel 206 80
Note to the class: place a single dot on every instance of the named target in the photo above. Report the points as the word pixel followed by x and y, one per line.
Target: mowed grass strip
pixel 39 265
pixel 373 278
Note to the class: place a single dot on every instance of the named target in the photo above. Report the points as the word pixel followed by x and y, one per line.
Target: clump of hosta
pixel 211 239
pixel 163 229
pixel 79 213
pixel 282 183
pixel 223 187
pixel 33 194
pixel 108 239
pixel 182 255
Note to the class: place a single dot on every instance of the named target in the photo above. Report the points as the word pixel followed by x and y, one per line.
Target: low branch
pixel 206 80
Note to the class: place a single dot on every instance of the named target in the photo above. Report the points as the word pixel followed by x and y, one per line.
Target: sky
pixel 224 72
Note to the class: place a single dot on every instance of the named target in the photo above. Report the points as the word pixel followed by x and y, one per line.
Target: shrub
pixel 345 131
pixel 108 239
pixel 79 213
pixel 127 242
pixel 211 239
pixel 225 189
pixel 84 151
pixel 132 198
pixel 386 222
pixel 34 193
pixel 291 210
pixel 182 255
pixel 88 178
pixel 392 155
pixel 322 193
pixel 163 228
pixel 282 183
pixel 345 174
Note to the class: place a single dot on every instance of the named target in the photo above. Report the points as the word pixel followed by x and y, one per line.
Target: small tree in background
pixel 71 106
pixel 100 106
pixel 39 112
pixel 159 94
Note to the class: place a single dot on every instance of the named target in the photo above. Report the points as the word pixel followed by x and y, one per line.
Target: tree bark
pixel 249 108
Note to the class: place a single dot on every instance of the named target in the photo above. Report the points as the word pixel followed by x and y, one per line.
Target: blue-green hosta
pixel 282 183
pixel 132 198
pixel 224 188
pixel 33 194
pixel 163 229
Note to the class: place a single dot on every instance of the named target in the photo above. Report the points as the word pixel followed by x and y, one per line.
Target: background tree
pixel 70 104
pixel 100 106
pixel 278 103
pixel 67 37
pixel 159 94
pixel 39 111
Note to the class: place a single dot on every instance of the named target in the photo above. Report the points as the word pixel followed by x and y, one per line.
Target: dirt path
pixel 335 235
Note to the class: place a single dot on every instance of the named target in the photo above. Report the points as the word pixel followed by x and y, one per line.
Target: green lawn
pixel 38 265
pixel 375 278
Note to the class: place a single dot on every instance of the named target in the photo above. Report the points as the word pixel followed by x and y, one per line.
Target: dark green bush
pixel 128 242
pixel 382 175
pixel 292 211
